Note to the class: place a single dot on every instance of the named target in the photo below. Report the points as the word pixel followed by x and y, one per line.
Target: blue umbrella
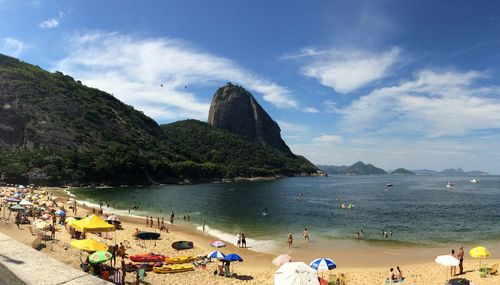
pixel 233 257
pixel 60 213
pixel 216 254
pixel 323 264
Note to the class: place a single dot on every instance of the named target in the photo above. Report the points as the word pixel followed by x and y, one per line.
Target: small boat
pixel 148 257
pixel 181 245
pixel 474 180
pixel 173 268
pixel 389 185
pixel 180 259
pixel 147 235
pixel 450 185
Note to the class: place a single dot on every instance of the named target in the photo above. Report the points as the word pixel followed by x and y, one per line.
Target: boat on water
pixel 474 180
pixel 450 185
pixel 389 185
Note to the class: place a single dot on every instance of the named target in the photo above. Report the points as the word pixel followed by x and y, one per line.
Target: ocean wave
pixel 252 244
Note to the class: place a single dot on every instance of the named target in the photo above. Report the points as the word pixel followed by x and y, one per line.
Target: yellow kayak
pixel 173 268
pixel 179 259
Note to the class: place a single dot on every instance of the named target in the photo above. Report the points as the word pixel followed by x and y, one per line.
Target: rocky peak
pixel 234 109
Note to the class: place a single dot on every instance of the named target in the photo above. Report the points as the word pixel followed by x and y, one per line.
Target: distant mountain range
pixel 450 172
pixel 360 168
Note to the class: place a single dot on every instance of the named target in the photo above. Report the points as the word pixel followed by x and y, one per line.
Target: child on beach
pixel 290 240
pixel 238 240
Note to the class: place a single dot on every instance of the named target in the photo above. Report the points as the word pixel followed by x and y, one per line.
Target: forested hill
pixel 230 153
pixel 73 134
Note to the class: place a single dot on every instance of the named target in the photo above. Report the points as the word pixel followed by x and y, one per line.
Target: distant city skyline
pixel 412 84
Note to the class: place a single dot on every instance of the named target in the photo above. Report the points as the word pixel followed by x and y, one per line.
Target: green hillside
pixel 230 154
pixel 81 135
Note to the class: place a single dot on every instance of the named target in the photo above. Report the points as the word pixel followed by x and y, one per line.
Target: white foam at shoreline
pixel 252 244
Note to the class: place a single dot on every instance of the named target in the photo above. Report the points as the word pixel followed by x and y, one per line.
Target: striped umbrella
pixel 218 243
pixel 323 264
pixel 216 254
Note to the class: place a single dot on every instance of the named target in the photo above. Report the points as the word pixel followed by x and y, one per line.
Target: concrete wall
pixel 20 264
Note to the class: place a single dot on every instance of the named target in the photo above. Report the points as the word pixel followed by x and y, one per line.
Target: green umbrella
pixel 100 256
pixel 17 208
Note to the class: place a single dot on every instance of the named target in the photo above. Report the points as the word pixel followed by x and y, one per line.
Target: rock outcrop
pixel 234 109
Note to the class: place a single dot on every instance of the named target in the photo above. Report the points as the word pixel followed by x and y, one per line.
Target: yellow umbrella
pixel 88 245
pixel 479 252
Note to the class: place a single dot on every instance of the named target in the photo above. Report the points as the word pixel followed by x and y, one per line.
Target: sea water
pixel 418 210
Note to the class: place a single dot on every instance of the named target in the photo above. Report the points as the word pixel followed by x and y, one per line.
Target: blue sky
pixel 412 84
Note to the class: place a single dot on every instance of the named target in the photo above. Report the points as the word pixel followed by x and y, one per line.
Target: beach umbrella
pixel 479 252
pixel 21 187
pixel 292 273
pixel 13 200
pixel 100 256
pixel 17 208
pixel 280 259
pixel 46 216
pixel 323 264
pixel 233 257
pixel 447 260
pixel 25 203
pixel 216 254
pixel 60 213
pixel 88 245
pixel 218 243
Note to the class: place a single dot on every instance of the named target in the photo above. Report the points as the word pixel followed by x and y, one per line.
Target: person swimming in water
pixel 265 211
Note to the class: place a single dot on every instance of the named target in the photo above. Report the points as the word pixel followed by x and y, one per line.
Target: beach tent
pixel 88 245
pixel 25 203
pixel 295 273
pixel 92 224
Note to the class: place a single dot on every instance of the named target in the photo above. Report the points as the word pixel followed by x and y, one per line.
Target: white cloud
pixel 433 104
pixel 13 47
pixel 346 71
pixel 53 22
pixel 328 139
pixel 132 69
pixel 49 24
pixel 291 128
pixel 310 110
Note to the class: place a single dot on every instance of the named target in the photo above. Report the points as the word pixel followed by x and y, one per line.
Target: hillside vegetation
pixel 81 135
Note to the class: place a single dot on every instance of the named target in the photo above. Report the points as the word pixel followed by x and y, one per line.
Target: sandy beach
pixel 361 266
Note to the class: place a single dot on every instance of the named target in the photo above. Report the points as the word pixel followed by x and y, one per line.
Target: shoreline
pixel 362 265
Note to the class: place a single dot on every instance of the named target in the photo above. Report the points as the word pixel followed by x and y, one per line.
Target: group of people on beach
pixel 395 275
pixel 242 240
pixel 305 233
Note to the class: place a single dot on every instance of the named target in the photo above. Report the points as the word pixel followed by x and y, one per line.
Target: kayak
pixel 147 235
pixel 173 268
pixel 148 257
pixel 180 259
pixel 180 245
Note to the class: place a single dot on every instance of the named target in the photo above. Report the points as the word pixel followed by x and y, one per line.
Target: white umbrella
pixel 447 260
pixel 25 203
pixel 113 218
pixel 295 273
pixel 281 259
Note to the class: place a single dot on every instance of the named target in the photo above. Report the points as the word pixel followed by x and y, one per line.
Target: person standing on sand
pixel 188 217
pixel 306 235
pixel 453 268
pixel 124 272
pixel 151 221
pixel 203 228
pixel 243 240
pixel 290 240
pixel 158 221
pixel 460 256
